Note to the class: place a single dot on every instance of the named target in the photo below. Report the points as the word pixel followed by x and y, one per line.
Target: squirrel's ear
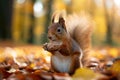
pixel 62 22
pixel 58 16
pixel 53 19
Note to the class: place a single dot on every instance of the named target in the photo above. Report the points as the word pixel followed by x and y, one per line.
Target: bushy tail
pixel 80 28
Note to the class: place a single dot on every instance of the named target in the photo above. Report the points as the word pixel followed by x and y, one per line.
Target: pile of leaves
pixel 33 63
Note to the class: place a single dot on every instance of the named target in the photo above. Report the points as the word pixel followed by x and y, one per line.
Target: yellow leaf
pixel 85 74
pixel 116 67
pixel 32 65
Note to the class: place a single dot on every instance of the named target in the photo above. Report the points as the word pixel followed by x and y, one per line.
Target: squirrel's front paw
pixel 51 46
pixel 45 46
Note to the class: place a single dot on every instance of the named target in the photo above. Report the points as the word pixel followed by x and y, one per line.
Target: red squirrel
pixel 69 40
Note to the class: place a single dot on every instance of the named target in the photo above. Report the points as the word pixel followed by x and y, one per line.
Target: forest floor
pixel 31 62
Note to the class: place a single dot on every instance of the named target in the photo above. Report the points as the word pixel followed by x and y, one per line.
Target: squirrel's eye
pixel 59 30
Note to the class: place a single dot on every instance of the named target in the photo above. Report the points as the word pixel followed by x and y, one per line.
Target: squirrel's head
pixel 57 30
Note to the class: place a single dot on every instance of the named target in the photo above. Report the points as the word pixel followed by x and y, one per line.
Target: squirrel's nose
pixel 49 37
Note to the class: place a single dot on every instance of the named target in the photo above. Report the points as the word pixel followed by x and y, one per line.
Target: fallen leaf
pixel 86 74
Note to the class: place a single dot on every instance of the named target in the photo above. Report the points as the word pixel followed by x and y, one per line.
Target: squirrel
pixel 69 41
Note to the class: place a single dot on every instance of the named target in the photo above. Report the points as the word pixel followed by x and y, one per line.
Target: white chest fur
pixel 61 63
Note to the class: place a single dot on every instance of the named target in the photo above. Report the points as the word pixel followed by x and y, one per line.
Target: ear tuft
pixel 53 18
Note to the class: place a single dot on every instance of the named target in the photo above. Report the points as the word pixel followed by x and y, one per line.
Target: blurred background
pixel 26 21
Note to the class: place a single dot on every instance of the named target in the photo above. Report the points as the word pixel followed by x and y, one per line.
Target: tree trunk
pixel 109 22
pixel 6 7
pixel 31 33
